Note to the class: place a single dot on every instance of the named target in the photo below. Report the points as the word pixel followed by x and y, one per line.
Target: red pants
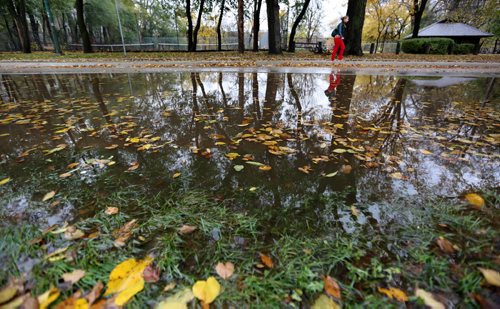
pixel 339 43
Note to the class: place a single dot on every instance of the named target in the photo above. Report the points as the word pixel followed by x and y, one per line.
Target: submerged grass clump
pixel 401 254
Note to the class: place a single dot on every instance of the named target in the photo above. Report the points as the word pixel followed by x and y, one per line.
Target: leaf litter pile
pixel 262 189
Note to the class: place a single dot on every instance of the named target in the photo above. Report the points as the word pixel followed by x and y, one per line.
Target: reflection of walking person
pixel 338 35
pixel 334 83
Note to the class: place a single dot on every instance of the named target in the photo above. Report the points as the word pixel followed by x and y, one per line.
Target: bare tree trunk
pixel 34 30
pixel 87 46
pixel 219 22
pixel 190 27
pixel 356 12
pixel 17 9
pixel 291 42
pixel 418 11
pixel 198 25
pixel 241 30
pixel 273 23
pixel 9 32
pixel 256 24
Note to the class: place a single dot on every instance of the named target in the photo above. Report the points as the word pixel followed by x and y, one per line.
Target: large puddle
pixel 386 142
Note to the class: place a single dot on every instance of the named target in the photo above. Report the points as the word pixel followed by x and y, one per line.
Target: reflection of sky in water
pixel 386 99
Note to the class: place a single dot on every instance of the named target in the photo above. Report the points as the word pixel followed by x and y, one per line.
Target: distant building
pixel 458 32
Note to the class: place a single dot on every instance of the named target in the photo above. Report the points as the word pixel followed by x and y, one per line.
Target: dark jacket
pixel 340 30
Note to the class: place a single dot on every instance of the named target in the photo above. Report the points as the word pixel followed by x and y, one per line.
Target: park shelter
pixel 458 32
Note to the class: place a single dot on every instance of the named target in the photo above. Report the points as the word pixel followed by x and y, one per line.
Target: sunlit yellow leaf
pixel 7 293
pixel 126 279
pixel 491 276
pixel 265 168
pixel 175 175
pixel 134 140
pixel 394 293
pixel 47 298
pixel 475 200
pixel 4 181
pixel 48 196
pixel 206 291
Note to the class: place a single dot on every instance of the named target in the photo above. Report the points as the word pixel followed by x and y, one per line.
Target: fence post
pixel 398 48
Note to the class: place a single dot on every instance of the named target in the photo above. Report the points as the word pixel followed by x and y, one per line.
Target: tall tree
pixel 274 26
pixel 418 11
pixel 34 30
pixel 291 42
pixel 198 25
pixel 190 26
pixel 219 23
pixel 80 19
pixel 356 13
pixel 17 9
pixel 241 31
pixel 257 4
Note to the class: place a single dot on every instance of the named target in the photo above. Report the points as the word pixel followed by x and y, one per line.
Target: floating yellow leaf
pixel 429 299
pixel 48 298
pixel 126 279
pixel 65 175
pixel 238 168
pixel 176 175
pixel 134 140
pixel 339 150
pixel 177 301
pixel 265 168
pixel 225 270
pixel 475 200
pixel 48 196
pixel 325 302
pixel 206 291
pixel 394 293
pixel 4 181
pixel 232 155
pixel 491 276
pixel 397 175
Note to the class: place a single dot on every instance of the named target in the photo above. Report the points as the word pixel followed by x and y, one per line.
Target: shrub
pixel 463 49
pixel 423 45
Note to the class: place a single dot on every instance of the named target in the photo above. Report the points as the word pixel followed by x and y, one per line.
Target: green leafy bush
pixel 439 46
pixel 463 49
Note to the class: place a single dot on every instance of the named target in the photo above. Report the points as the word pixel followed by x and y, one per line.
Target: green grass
pixel 397 255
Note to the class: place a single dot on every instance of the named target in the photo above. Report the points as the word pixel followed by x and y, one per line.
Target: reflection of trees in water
pixel 283 101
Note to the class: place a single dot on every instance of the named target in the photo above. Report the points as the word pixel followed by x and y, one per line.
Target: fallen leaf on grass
pixel 475 200
pixel 176 175
pixel 8 292
pixel 65 175
pixel 94 293
pixel 4 181
pixel 111 210
pixel 331 175
pixel 72 233
pixel 305 169
pixel 133 166
pixel 48 196
pixel 394 293
pixel 186 229
pixel 151 274
pixel 331 287
pixel 397 175
pixel 491 276
pixel 446 246
pixel 232 155
pixel 126 279
pixel 169 287
pixel 206 291
pixel 73 302
pixel 266 259
pixel 325 302
pixel 225 270
pixel 48 297
pixel 74 276
pixel 177 301
pixel 354 211
pixel 429 299
pixel 124 233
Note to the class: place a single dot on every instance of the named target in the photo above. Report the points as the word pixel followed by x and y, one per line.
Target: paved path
pixel 319 66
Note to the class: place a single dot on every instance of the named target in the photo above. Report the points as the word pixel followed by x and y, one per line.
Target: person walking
pixel 338 35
